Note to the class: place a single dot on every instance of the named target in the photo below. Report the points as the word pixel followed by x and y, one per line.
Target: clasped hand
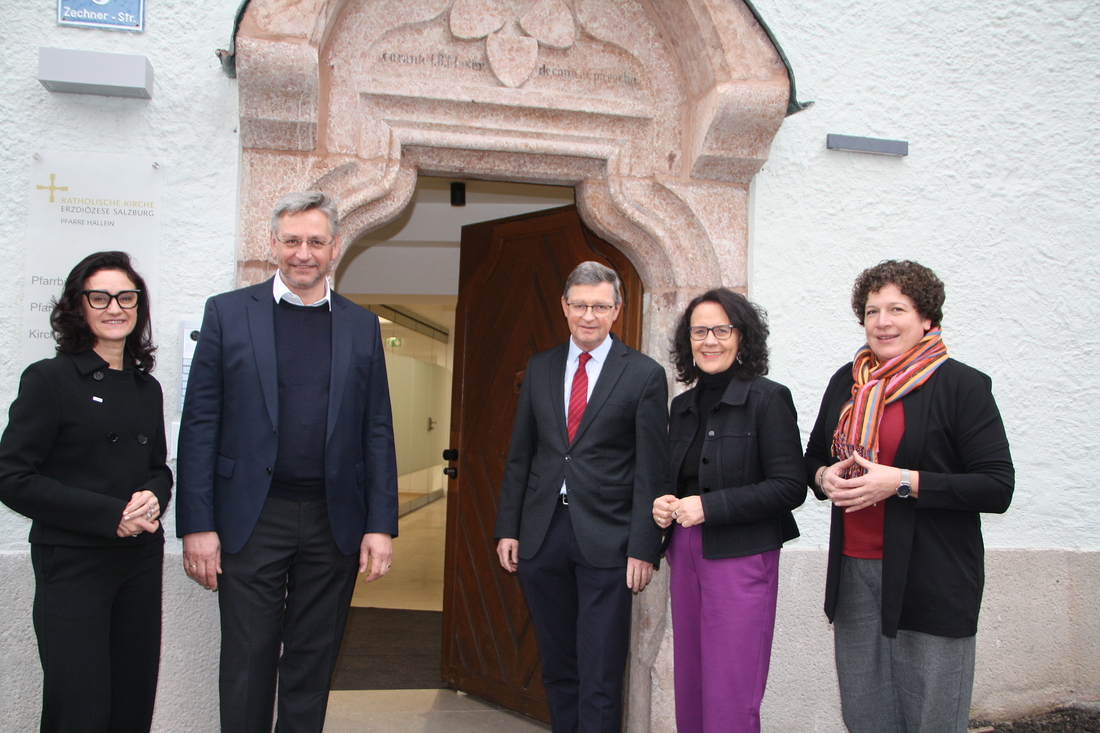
pixel 140 515
pixel 686 512
pixel 879 483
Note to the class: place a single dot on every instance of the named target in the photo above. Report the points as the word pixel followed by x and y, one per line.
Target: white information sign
pixel 82 203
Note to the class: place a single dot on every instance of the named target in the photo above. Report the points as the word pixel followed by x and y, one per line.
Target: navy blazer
pixel 229 431
pixel 933 559
pixel 613 470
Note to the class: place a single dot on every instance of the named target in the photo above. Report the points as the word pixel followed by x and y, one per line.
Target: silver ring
pixel 676 513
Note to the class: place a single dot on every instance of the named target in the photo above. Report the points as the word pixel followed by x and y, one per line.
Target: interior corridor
pixel 415 581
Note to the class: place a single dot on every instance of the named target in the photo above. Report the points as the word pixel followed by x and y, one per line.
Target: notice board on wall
pixel 81 203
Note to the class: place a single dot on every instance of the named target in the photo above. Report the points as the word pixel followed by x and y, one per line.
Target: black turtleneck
pixel 708 392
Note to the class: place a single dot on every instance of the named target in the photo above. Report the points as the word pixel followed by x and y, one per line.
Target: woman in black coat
pixel 83 456
pixel 910 449
pixel 736 462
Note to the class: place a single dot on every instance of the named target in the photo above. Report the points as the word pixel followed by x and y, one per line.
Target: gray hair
pixel 296 203
pixel 593 273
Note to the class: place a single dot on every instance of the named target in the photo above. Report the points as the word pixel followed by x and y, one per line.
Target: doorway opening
pixel 407 272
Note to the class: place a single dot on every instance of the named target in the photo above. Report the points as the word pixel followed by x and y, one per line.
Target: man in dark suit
pixel 587 459
pixel 287 472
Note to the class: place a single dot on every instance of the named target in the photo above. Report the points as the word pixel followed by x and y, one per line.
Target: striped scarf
pixel 877 385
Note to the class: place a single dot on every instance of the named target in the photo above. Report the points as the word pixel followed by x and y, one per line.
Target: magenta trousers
pixel 723 619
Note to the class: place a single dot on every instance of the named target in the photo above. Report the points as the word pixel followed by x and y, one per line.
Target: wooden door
pixel 512 272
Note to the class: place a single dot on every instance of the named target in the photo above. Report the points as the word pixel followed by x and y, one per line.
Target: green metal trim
pixel 793 105
pixel 229 58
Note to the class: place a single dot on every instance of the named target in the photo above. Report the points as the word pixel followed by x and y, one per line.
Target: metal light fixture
pixel 458 193
pixel 872 145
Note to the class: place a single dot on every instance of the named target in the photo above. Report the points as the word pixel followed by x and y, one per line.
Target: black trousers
pixel 289 587
pixel 97 617
pixel 581 615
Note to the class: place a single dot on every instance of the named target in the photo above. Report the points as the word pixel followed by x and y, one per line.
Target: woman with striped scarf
pixel 910 449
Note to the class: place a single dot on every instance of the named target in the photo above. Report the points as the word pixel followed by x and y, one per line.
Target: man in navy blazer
pixel 287 472
pixel 574 517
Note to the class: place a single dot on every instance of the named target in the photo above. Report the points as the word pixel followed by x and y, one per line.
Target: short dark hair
pixel 750 320
pixel 71 330
pixel 913 279
pixel 593 273
pixel 299 201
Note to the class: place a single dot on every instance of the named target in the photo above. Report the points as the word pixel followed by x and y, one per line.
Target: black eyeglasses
pixel 698 333
pixel 100 299
pixel 600 309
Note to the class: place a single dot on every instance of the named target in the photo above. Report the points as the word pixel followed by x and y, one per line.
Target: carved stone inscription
pixel 539 51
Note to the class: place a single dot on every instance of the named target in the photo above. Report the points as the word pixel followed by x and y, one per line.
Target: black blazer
pixel 933 559
pixel 613 470
pixel 750 472
pixel 81 439
pixel 228 433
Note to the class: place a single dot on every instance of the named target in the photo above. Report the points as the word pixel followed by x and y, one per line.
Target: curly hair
pixel 750 320
pixel 913 279
pixel 71 330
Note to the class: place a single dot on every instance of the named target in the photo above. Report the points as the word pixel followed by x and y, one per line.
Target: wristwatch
pixel 904 488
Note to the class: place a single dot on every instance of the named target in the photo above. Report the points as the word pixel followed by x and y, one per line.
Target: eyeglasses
pixel 295 243
pixel 599 309
pixel 100 299
pixel 699 333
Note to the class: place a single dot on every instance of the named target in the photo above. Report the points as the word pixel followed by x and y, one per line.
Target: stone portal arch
pixel 658 112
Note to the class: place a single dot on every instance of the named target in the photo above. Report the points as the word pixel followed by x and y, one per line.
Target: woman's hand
pixel 662 510
pixel 688 511
pixel 140 515
pixel 879 483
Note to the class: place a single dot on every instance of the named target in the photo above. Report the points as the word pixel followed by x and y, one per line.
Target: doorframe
pixel 666 182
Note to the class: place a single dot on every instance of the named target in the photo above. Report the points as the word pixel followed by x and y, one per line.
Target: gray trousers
pixel 915 683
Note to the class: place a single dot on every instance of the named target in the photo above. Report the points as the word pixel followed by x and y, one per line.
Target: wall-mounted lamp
pixel 458 193
pixel 94 72
pixel 873 145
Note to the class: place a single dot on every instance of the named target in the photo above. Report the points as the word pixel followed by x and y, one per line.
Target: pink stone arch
pixel 658 112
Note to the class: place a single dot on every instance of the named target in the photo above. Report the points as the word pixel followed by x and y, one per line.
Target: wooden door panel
pixel 509 307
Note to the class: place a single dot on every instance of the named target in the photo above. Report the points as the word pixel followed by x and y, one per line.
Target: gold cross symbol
pixel 51 188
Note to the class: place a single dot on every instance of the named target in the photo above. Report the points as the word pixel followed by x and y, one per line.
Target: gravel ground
pixel 1068 720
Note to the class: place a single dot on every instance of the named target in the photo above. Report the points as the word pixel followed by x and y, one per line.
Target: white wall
pixel 1000 195
pixel 190 127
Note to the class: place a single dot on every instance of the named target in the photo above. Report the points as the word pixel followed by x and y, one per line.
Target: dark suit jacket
pixel 229 431
pixel 613 470
pixel 80 440
pixel 933 559
pixel 750 471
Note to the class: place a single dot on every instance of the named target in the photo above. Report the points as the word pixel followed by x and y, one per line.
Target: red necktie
pixel 578 395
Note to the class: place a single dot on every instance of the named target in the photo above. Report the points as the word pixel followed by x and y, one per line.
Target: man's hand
pixel 508 553
pixel 662 510
pixel 375 553
pixel 202 558
pixel 638 574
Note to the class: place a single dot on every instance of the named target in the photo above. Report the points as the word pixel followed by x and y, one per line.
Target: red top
pixel 863 529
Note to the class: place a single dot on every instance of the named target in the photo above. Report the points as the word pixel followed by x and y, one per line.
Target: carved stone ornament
pixel 474 19
pixel 512 58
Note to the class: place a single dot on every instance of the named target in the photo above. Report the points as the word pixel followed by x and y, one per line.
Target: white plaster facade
pixel 999 195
